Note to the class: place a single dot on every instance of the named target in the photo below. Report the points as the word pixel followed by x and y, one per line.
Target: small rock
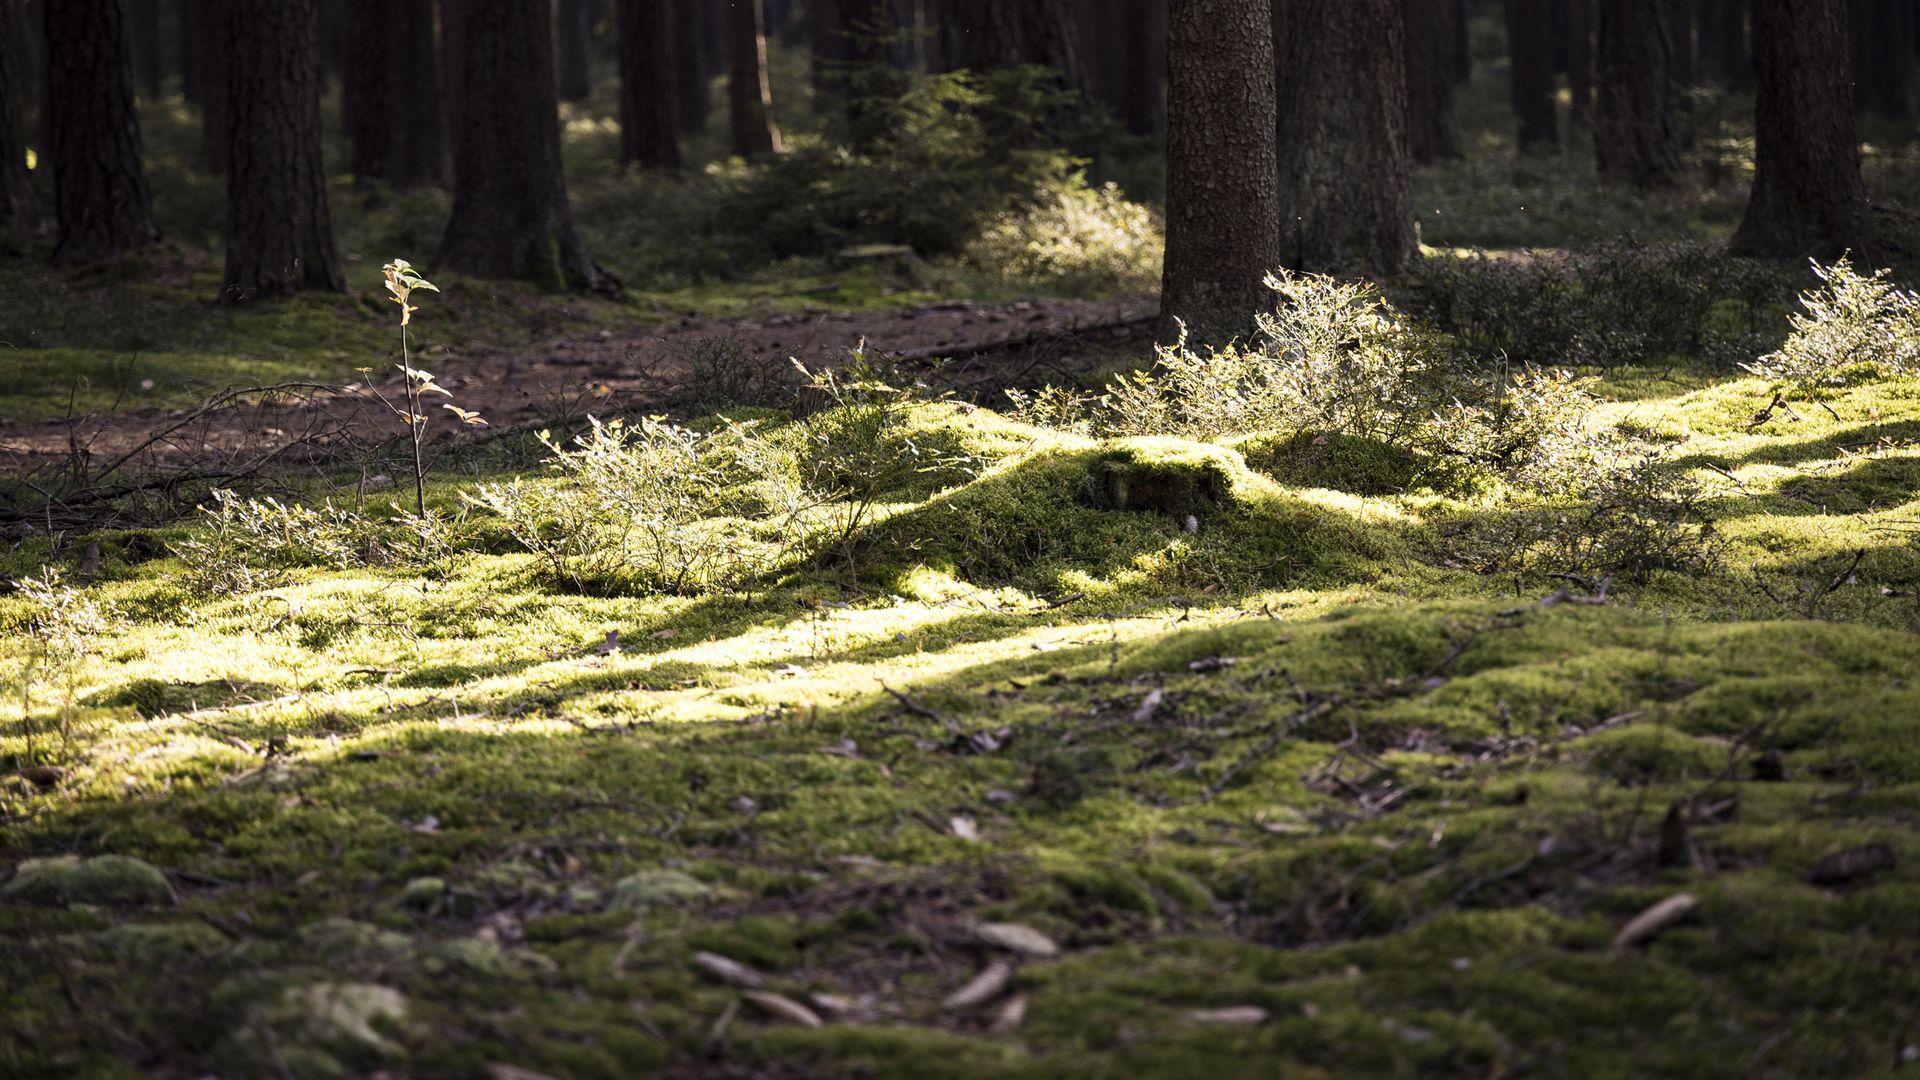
pixel 1014 937
pixel 1652 921
pixel 731 972
pixel 782 1008
pixel 341 1015
pixel 43 776
pixel 116 880
pixel 1234 1015
pixel 657 888
pixel 982 988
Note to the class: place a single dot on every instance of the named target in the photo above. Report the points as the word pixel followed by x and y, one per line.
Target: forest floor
pixel 1312 785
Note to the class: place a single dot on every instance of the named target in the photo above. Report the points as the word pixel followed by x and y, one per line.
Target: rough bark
pixel 749 93
pixel 1637 132
pixel 1530 50
pixel 420 136
pixel 648 111
pixel 368 102
pixel 1223 216
pixel 981 35
pixel 19 206
pixel 1580 63
pixel 1430 129
pixel 279 232
pixel 510 214
pixel 1808 198
pixel 100 196
pixel 575 32
pixel 1882 33
pixel 1345 198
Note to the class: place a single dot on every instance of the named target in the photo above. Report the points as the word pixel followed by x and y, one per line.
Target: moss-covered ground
pixel 1294 760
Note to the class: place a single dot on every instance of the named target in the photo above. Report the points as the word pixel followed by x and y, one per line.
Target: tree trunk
pixel 279 233
pixel 1345 198
pixel 190 41
pixel 1429 29
pixel 510 215
pixel 1223 211
pixel 420 135
pixel 1680 34
pixel 368 104
pixel 19 206
pixel 1724 59
pixel 692 74
pixel 146 45
pixel 1530 50
pixel 100 195
pixel 647 108
pixel 576 50
pixel 214 83
pixel 982 35
pixel 1140 97
pixel 1882 33
pixel 1637 133
pixel 1808 198
pixel 1580 63
pixel 1463 41
pixel 749 94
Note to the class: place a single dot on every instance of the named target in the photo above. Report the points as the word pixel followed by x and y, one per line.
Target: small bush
pixel 64 628
pixel 1073 239
pixel 1851 328
pixel 246 544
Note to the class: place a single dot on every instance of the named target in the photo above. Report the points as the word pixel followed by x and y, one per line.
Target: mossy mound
pixel 1342 462
pixel 115 880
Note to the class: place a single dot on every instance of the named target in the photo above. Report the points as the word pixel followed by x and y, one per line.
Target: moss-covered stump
pixel 1159 476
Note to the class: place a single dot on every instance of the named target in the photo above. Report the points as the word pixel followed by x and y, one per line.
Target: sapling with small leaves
pixel 402 282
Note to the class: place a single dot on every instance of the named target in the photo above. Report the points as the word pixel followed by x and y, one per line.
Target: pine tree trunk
pixel 1680 33
pixel 420 135
pixel 648 110
pixel 749 94
pixel 368 104
pixel 214 84
pixel 510 214
pixel 982 35
pixel 146 45
pixel 1223 215
pixel 191 77
pixel 19 206
pixel 1580 63
pixel 100 196
pixel 279 231
pixel 1143 51
pixel 692 74
pixel 1808 198
pixel 1882 33
pixel 1463 41
pixel 1430 130
pixel 1345 193
pixel 1723 43
pixel 1530 50
pixel 1637 132
pixel 576 50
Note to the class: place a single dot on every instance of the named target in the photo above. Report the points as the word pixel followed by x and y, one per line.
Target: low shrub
pixel 1851 328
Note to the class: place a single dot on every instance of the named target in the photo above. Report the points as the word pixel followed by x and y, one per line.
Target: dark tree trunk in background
pixel 1345 198
pixel 368 103
pixel 1882 33
pixel 1429 29
pixel 1223 213
pixel 1680 35
pixel 1463 41
pixel 510 215
pixel 1580 63
pixel 575 32
pixel 981 35
pixel 191 78
pixel 1530 48
pixel 1637 132
pixel 19 206
pixel 420 134
pixel 1808 199
pixel 100 195
pixel 279 233
pixel 692 72
pixel 1724 60
pixel 852 63
pixel 146 45
pixel 1136 47
pixel 647 109
pixel 214 84
pixel 749 94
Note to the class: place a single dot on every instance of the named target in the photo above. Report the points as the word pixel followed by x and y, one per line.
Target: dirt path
pixel 606 371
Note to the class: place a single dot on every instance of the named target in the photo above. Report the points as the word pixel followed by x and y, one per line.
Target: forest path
pixel 598 372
